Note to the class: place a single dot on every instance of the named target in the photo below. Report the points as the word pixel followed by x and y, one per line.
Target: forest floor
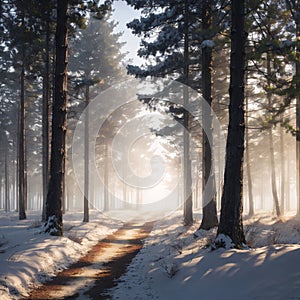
pixel 146 256
pixel 178 262
pixel 99 269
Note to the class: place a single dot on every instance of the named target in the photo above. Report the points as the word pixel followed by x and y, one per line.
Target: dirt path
pixel 98 270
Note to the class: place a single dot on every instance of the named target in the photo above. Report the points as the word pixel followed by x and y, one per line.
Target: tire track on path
pixel 99 269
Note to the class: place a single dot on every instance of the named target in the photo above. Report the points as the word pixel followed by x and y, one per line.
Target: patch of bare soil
pixel 99 269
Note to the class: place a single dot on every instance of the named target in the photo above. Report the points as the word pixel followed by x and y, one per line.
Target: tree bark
pixel 21 156
pixel 14 183
pixel 294 7
pixel 249 177
pixel 106 194
pixel 17 162
pixel 297 76
pixel 232 207
pixel 273 174
pixel 46 119
pixel 271 145
pixel 262 191
pixel 7 198
pixel 210 218
pixel 188 201
pixel 282 182
pixel 288 183
pixel 86 157
pixel 22 134
pixel 54 202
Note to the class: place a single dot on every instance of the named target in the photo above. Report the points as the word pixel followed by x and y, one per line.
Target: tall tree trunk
pixel 231 223
pixel 262 189
pixel 92 195
pixel 25 166
pixel 22 133
pixel 282 182
pixel 294 7
pixel 271 144
pixel 86 157
pixel 219 193
pixel 288 183
pixel 188 202
pixel 297 76
pixel 21 156
pixel 105 194
pixel 273 173
pixel 247 153
pixel 17 161
pixel 124 190
pixel 64 195
pixel 46 119
pixel 210 218
pixel 2 201
pixel 14 185
pixel 7 198
pixel 249 177
pixel 54 221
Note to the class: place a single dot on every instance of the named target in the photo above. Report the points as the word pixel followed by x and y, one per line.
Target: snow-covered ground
pixel 28 256
pixel 175 262
pixel 178 263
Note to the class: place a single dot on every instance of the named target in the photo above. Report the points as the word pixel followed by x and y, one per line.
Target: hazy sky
pixel 124 14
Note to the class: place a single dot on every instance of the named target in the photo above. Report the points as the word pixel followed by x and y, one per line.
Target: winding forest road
pixel 97 271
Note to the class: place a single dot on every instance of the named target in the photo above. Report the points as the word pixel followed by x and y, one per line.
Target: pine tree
pixel 48 26
pixel 172 50
pixel 55 192
pixel 206 20
pixel 210 218
pixel 21 30
pixel 94 61
pixel 9 97
pixel 167 47
pixel 54 223
pixel 294 7
pixel 268 52
pixel 188 201
pixel 231 206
